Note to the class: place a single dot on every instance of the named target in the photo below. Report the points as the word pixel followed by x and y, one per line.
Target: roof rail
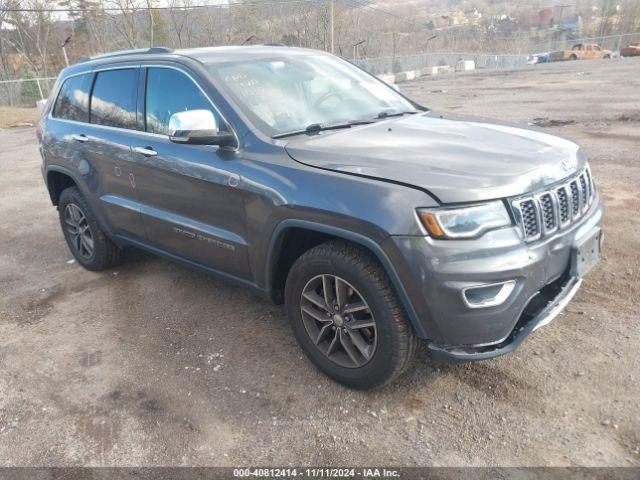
pixel 122 53
pixel 273 45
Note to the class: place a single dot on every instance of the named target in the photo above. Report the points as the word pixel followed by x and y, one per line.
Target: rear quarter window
pixel 114 97
pixel 73 100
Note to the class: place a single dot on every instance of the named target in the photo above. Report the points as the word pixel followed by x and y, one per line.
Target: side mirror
pixel 197 127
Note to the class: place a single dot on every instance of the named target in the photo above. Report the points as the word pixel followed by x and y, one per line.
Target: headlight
pixel 465 222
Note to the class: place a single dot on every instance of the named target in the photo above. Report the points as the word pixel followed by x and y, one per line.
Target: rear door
pixel 63 143
pixel 107 139
pixel 191 203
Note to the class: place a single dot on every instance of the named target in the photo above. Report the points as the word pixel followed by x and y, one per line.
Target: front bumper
pixel 529 323
pixel 436 272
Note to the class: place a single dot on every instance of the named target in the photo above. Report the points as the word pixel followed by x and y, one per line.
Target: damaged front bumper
pixel 541 310
pixel 478 299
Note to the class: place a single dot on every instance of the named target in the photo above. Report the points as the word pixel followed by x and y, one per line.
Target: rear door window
pixel 73 100
pixel 113 100
pixel 169 91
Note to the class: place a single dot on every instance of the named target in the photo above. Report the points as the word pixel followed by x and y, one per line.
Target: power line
pixel 145 8
pixel 386 12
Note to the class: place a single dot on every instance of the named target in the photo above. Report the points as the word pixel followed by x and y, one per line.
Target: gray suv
pixel 380 224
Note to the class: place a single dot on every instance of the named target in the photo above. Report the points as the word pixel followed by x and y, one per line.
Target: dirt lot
pixel 16 116
pixel 153 363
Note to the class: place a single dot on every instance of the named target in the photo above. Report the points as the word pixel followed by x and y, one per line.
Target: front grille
pixel 543 213
pixel 530 222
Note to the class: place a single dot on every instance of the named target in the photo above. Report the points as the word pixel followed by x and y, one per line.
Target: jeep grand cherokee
pixel 379 223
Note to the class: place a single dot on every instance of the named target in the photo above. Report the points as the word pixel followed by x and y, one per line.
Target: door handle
pixel 146 151
pixel 80 137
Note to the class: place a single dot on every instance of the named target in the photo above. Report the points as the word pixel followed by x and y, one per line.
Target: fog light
pixel 489 295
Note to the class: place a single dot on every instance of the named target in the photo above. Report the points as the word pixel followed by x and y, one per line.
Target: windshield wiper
pixel 387 113
pixel 318 127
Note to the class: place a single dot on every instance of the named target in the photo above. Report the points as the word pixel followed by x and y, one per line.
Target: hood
pixel 456 159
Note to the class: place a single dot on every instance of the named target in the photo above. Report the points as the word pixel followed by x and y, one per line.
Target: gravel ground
pixel 155 364
pixel 16 116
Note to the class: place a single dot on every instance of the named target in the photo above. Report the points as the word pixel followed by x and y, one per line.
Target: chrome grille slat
pixel 575 199
pixel 563 205
pixel 548 214
pixel 543 213
pixel 590 183
pixel 530 218
pixel 584 192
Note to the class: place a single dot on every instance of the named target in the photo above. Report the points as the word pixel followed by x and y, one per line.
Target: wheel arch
pixel 58 179
pixel 277 267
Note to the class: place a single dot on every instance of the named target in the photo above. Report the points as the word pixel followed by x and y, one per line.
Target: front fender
pixel 373 246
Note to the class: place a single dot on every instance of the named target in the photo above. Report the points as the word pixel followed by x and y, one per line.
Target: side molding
pixel 360 239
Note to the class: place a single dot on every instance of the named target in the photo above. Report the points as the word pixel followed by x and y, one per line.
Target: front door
pixel 190 201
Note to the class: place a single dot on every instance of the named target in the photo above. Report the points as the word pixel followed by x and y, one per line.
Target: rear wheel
pixel 86 240
pixel 346 316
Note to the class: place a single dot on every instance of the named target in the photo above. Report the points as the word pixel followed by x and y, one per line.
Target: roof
pixel 224 54
pixel 207 54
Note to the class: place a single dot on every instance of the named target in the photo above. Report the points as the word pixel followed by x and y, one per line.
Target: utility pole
pixel 151 23
pixel 560 31
pixel 333 46
pixel 562 7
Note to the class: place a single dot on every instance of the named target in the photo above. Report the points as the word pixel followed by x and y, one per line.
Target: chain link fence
pixel 607 42
pixel 491 61
pixel 484 61
pixel 24 92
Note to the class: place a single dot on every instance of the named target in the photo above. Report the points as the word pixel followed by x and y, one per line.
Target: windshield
pixel 287 94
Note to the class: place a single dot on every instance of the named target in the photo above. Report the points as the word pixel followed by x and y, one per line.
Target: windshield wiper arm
pixel 387 113
pixel 318 127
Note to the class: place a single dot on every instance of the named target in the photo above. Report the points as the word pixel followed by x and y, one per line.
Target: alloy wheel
pixel 79 230
pixel 338 321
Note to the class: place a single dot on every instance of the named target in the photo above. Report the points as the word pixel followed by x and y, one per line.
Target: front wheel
pixel 86 240
pixel 347 317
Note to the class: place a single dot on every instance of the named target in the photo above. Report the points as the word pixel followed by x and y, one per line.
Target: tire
pixel 104 254
pixel 390 342
pixel 573 57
